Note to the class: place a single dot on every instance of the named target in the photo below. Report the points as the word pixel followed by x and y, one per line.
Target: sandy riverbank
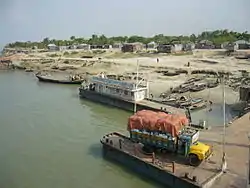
pixel 114 62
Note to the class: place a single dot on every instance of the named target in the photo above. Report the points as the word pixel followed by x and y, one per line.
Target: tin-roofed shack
pixel 132 47
pixel 242 44
pixel 204 44
pixel 245 93
pixel 230 46
pixel 53 47
pixel 170 48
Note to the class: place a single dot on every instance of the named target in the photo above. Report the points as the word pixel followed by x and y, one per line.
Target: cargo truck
pixel 168 132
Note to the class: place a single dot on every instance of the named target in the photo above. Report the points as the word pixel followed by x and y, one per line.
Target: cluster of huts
pixel 53 47
pixel 161 48
pixel 128 47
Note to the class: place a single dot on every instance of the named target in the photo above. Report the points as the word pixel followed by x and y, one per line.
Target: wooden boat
pixel 192 80
pixel 51 79
pixel 171 73
pixel 212 84
pixel 198 87
pixel 170 101
pixel 197 106
pixel 190 102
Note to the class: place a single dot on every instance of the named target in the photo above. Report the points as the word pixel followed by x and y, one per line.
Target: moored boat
pixel 53 79
pixel 212 84
pixel 198 87
pixel 197 106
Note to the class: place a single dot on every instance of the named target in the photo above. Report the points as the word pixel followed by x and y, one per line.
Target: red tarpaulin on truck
pixel 157 121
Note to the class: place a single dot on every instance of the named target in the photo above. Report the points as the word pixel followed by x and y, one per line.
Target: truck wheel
pixel 193 160
pixel 147 150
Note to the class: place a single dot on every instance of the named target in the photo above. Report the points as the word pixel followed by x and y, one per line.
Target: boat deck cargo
pixel 167 169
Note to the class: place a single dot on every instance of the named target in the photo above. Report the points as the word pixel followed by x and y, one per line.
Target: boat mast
pixel 208 107
pixel 189 76
pixel 224 164
pixel 136 85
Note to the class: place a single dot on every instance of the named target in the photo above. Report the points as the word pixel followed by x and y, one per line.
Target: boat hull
pixel 144 169
pixel 44 79
pixel 112 101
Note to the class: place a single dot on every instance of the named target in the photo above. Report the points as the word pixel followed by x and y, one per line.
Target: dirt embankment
pixel 169 71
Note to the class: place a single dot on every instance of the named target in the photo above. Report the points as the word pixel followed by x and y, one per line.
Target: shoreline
pixel 114 62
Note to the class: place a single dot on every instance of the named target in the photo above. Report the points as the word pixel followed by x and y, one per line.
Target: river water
pixel 50 138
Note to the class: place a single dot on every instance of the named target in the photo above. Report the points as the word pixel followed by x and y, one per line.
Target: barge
pixel 165 169
pixel 163 148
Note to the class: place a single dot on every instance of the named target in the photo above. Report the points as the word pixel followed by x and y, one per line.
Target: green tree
pixel 72 38
pixel 216 36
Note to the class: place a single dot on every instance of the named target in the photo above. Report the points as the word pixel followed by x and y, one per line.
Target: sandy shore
pixel 114 62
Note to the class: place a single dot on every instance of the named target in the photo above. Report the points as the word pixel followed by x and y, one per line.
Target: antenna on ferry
pixel 224 163
pixel 136 85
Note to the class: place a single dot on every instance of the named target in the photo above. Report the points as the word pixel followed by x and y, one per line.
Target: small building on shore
pixel 117 46
pixel 107 46
pixel 218 46
pixel 242 44
pixel 83 46
pixel 53 47
pixel 72 47
pixel 132 47
pixel 244 93
pixel 230 46
pixel 63 48
pixel 151 45
pixel 97 47
pixel 170 48
pixel 204 44
pixel 189 46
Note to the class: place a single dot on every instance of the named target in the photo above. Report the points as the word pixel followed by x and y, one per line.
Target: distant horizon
pixel 68 38
pixel 34 20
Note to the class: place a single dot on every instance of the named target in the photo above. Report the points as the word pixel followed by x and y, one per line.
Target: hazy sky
pixel 25 20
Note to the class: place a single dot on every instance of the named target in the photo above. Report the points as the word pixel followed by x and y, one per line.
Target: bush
pixel 74 52
pixel 66 62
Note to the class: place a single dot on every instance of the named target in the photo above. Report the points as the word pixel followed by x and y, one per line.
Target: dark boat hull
pixel 212 85
pixel 112 101
pixel 145 169
pixel 44 79
pixel 105 99
pixel 196 89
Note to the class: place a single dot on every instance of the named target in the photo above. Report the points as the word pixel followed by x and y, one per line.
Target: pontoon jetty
pixel 122 94
pixel 162 147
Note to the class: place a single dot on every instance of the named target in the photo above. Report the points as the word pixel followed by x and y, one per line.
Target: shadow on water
pixel 105 110
pixel 95 104
pixel 96 151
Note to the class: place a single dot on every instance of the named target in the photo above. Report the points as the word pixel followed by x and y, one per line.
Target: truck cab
pixel 194 150
pixel 198 152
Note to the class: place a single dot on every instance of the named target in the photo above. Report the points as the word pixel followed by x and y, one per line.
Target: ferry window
pixel 117 90
pixel 126 92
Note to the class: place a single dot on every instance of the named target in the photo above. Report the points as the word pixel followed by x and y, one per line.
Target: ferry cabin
pixel 119 89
